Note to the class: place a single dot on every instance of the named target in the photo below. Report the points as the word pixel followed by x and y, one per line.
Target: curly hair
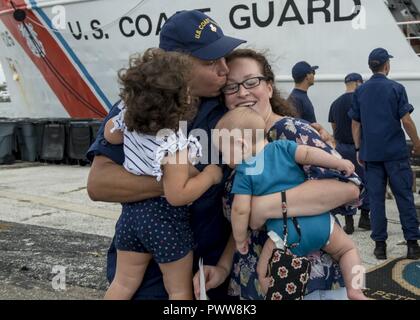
pixel 155 91
pixel 279 105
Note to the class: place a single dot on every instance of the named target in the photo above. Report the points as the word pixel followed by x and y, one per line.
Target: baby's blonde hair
pixel 245 120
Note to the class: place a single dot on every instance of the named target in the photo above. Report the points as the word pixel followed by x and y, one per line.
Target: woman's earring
pixel 188 97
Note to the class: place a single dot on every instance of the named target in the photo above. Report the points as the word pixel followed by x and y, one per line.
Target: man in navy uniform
pixel 379 107
pixel 341 125
pixel 304 76
pixel 197 34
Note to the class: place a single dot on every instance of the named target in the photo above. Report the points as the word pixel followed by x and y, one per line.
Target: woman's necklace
pixel 270 112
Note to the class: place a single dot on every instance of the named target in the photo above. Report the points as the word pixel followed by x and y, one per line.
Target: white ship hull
pixel 72 71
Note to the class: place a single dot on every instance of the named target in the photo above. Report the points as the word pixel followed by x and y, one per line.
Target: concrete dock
pixel 53 238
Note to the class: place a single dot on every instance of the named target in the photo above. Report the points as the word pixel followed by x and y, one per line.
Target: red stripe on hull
pixel 60 61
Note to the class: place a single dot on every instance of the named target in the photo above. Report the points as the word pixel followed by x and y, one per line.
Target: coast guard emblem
pixel 213 28
pixel 32 40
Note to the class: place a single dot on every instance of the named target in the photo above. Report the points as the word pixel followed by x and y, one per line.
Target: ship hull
pixel 71 71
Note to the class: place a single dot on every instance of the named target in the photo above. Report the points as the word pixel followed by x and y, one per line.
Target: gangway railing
pixel 411 29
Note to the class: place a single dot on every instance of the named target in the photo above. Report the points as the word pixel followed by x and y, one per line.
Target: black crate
pixel 7 141
pixel 53 141
pixel 78 139
pixel 39 125
pixel 27 139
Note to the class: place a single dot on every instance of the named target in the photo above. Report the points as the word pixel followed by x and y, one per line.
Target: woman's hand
pixel 346 166
pixel 215 172
pixel 324 134
pixel 214 277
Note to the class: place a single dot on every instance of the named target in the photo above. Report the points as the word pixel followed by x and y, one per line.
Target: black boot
pixel 349 227
pixel 364 221
pixel 413 250
pixel 380 250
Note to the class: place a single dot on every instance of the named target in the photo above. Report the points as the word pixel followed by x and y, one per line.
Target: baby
pixel 264 168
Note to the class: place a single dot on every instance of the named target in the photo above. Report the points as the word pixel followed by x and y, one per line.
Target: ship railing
pixel 411 29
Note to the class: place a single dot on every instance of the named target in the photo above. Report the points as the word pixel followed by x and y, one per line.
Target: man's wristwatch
pixel 357 149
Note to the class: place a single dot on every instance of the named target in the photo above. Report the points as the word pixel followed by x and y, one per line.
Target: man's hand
pixel 214 276
pixel 242 246
pixel 410 128
pixel 361 162
pixel 416 150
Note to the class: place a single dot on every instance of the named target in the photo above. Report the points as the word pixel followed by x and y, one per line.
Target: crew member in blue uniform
pixel 304 76
pixel 379 107
pixel 341 125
